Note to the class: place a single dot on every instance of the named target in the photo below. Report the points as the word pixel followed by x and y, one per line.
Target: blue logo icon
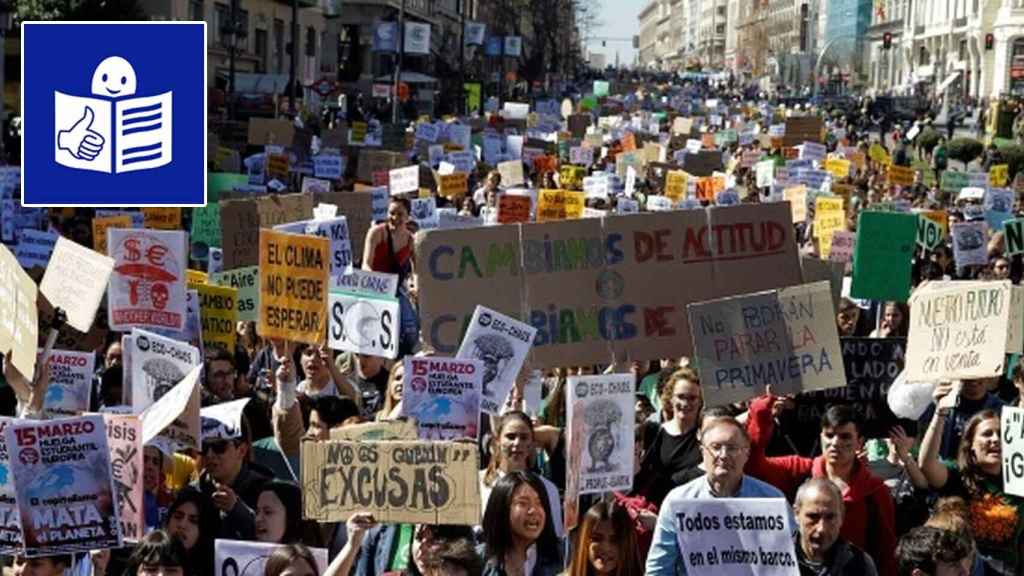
pixel 119 121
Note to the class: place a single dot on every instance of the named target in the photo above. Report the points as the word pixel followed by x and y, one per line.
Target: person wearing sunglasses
pixel 229 479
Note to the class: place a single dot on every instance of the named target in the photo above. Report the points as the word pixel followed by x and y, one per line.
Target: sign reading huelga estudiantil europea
pixel 119 120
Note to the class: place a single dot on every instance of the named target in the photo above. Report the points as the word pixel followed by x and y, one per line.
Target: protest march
pixel 645 325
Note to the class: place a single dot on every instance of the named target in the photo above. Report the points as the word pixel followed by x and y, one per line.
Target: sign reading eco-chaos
pixel 599 287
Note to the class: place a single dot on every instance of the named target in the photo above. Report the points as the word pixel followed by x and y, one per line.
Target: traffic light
pixel 887 41
pixel 990 41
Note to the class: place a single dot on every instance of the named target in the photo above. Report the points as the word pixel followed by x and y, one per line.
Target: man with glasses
pixel 229 481
pixel 725 449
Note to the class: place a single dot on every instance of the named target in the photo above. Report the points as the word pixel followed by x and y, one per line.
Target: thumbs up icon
pixel 81 141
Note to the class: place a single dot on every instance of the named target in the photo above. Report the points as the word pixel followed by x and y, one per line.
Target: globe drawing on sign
pixel 603 419
pixel 365 318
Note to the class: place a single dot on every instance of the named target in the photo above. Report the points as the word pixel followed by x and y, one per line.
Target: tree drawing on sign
pixel 495 352
pixel 603 418
pixel 161 376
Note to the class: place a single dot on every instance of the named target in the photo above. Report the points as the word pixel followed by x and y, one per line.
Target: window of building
pixel 195 10
pixel 278 45
pixel 261 51
pixel 221 14
pixel 311 42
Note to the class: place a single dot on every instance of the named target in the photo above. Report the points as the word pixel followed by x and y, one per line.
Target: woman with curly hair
pixel 976 476
pixel 674 454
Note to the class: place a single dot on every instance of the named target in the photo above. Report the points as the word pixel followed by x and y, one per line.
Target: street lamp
pixel 233 32
pixel 6 23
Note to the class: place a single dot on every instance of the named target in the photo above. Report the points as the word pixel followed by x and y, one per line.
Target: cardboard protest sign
pixel 1014 233
pixel 837 167
pixel 882 256
pixel 218 311
pixel 871 366
pixel 502 344
pixel 455 185
pixel 247 283
pixel 931 229
pixel 70 383
pixel 970 246
pixel 828 216
pixel 157 365
pixel 10 529
pixel 958 330
pixel 335 230
pixel 245 558
pixel 175 415
pixel 628 270
pixel 427 482
pixel 443 396
pixel 264 131
pixel 800 129
pixel 366 282
pixel 513 209
pixel 606 406
pixel 1012 433
pixel 797 198
pixel 736 536
pixel 147 287
pixel 675 184
pixel 75 281
pixel 293 286
pixel 124 436
pixel 364 324
pixel 999 175
pixel 329 166
pixel 559 205
pixel 100 226
pixel 35 247
pixel 371 161
pixel 842 247
pixel 784 338
pixel 361 209
pixel 404 180
pixel 162 218
pixel 377 431
pixel 19 327
pixel 65 495
pixel 206 225
pixel 901 175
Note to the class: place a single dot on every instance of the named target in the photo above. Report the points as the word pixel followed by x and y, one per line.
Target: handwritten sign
pixel 1012 435
pixel 247 283
pixel 218 310
pixel 784 338
pixel 453 185
pixel 363 323
pixel 901 175
pixel 100 227
pixel 404 180
pixel 435 482
pixel 958 330
pixel 513 209
pixel 75 281
pixel 559 205
pixel 293 286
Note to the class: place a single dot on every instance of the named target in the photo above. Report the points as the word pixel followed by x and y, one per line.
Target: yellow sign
pixel 878 154
pixel 293 286
pixel 828 216
pixel 162 218
pixel 100 227
pixel 218 313
pixel 839 168
pixel 572 177
pixel 901 175
pixel 675 184
pixel 797 198
pixel 559 205
pixel 454 185
pixel 999 175
pixel 196 277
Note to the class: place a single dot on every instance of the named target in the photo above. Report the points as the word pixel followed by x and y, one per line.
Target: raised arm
pixel 935 471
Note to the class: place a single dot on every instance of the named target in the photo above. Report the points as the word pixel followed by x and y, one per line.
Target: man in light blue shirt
pixel 726 448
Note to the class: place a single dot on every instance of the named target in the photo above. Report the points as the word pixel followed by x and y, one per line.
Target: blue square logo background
pixel 61 57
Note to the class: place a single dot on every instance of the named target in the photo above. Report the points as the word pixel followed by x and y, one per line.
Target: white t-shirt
pixel 553 501
pixel 329 390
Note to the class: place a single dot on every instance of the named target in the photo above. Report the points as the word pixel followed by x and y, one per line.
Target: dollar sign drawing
pixel 132 252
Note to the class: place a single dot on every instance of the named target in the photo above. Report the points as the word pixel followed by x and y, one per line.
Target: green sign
pixel 217 182
pixel 247 281
pixel 882 256
pixel 929 233
pixel 206 224
pixel 1014 231
pixel 600 88
pixel 953 181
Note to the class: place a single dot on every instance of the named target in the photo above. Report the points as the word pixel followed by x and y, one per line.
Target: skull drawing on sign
pixel 159 295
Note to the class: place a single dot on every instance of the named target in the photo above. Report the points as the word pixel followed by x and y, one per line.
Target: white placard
pixel 600 414
pixel 502 343
pixel 404 180
pixel 363 323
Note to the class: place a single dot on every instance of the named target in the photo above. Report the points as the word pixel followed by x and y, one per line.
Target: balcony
pixel 960 22
pixel 918 30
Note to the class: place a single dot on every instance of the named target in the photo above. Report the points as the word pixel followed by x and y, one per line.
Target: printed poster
pixel 606 406
pixel 147 287
pixel 158 363
pixel 124 436
pixel 363 323
pixel 63 484
pixel 10 519
pixel 502 343
pixel 247 281
pixel 443 396
pixel 176 415
pixel 245 558
pixel 70 383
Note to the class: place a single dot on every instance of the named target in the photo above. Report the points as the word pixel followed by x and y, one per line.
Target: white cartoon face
pixel 113 77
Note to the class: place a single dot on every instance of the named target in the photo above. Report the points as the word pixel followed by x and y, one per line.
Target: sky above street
pixel 619 20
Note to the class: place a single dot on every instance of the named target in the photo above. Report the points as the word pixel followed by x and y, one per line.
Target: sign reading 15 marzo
pixel 117 121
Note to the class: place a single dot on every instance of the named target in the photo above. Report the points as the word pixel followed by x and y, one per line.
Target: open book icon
pixel 112 136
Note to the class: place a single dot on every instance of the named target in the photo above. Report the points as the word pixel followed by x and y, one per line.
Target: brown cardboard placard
pixel 371 161
pixel 800 129
pixel 377 431
pixel 607 288
pixel 441 479
pixel 357 208
pixel 264 131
